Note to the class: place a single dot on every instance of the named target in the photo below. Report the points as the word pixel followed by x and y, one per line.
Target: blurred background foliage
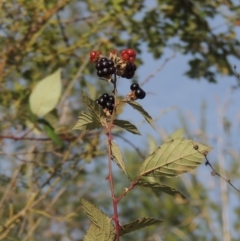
pixel 41 183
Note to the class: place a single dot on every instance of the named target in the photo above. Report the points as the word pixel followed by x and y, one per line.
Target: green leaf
pixel 127 126
pixel 173 158
pixel 138 224
pixel 87 121
pixel 139 108
pixel 51 133
pixel 95 233
pixel 94 108
pixel 116 152
pixel 101 228
pixel 158 188
pixel 46 93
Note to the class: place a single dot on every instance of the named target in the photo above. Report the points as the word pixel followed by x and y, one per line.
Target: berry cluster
pixel 107 103
pixel 122 66
pixel 105 67
pixel 128 55
pixel 137 92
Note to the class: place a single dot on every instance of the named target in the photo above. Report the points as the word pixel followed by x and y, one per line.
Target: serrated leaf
pixel 46 93
pixel 173 158
pixel 95 233
pixel 116 152
pixel 144 113
pixel 101 226
pixel 94 108
pixel 157 188
pixel 87 121
pixel 138 224
pixel 127 126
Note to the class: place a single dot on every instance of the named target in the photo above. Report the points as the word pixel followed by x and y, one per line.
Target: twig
pixel 16 138
pixel 62 30
pixel 214 172
pixel 158 69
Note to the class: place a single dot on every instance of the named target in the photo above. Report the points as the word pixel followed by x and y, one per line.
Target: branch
pixel 214 172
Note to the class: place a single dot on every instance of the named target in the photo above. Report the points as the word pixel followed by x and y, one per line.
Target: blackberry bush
pixel 173 158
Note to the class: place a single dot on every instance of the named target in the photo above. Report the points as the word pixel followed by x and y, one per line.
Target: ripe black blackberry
pixel 105 67
pixel 129 70
pixel 134 86
pixel 107 102
pixel 140 93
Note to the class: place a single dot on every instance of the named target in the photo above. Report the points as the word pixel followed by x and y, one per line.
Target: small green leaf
pixel 139 108
pixel 45 95
pixel 138 224
pixel 101 228
pixel 173 158
pixel 116 152
pixel 87 121
pixel 127 126
pixel 158 188
pixel 51 133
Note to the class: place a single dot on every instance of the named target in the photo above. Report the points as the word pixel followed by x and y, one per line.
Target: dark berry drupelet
pixel 111 98
pixel 102 101
pixel 134 86
pixel 140 93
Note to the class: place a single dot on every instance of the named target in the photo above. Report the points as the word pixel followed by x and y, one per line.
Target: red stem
pixel 110 175
pixel 114 200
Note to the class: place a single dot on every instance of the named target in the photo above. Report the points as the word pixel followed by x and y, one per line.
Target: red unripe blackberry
pixel 140 93
pixel 131 59
pixel 128 55
pixel 131 52
pixel 134 86
pixel 94 55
